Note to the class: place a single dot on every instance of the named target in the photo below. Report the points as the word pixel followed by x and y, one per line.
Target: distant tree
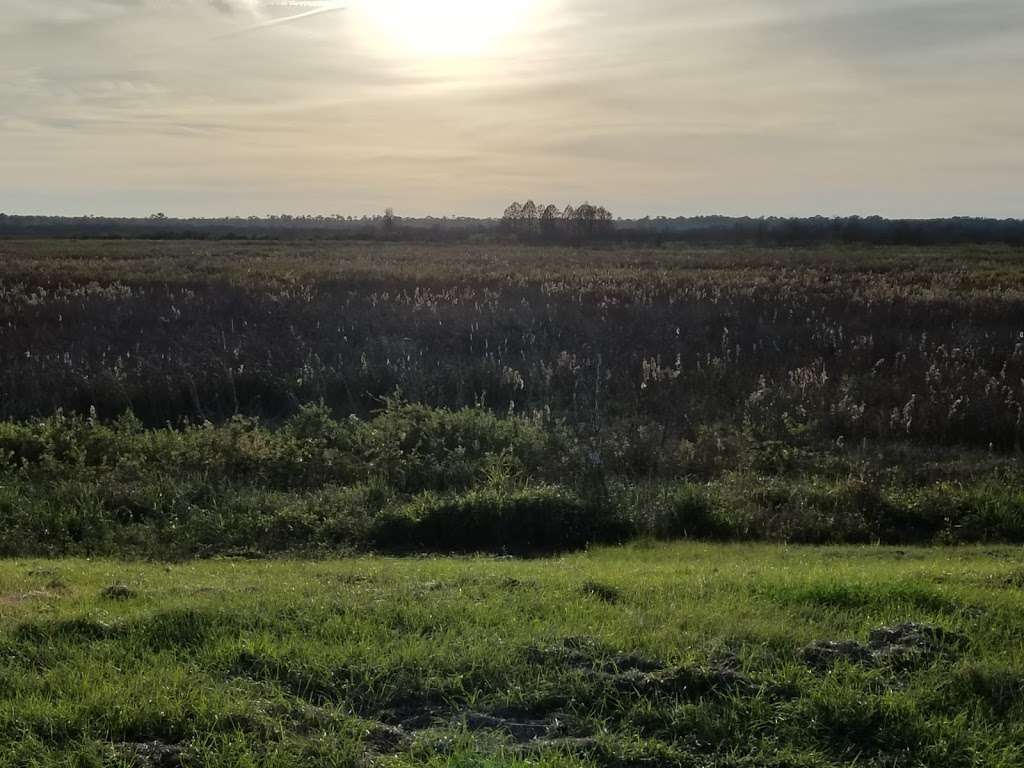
pixel 511 219
pixel 530 220
pixel 389 220
pixel 585 218
pixel 549 222
pixel 529 217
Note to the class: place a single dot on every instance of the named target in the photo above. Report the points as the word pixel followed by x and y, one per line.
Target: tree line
pixel 549 222
pixel 529 222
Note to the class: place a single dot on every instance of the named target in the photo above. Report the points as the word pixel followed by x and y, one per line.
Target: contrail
pixel 251 29
pixel 283 20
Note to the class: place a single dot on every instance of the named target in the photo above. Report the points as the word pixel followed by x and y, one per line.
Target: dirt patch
pixel 519 730
pixel 630 673
pixel 406 724
pixel 911 644
pixel 902 645
pixel 1015 580
pixel 602 592
pixel 118 592
pixel 302 718
pixel 416 714
pixel 152 754
pixel 822 654
pixel 387 739
pixel 434 586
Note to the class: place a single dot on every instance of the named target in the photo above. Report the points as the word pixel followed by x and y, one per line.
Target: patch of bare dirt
pixel 636 674
pixel 152 754
pixel 902 646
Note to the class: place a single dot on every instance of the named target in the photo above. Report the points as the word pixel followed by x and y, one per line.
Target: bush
pixel 414 448
pixel 689 514
pixel 538 519
pixel 805 512
pixel 982 512
pixel 415 477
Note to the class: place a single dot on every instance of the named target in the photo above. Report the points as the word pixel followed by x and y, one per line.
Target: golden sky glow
pixel 445 30
pixel 214 107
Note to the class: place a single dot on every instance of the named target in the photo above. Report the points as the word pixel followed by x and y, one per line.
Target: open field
pixel 685 654
pixel 181 399
pixel 193 411
pixel 853 343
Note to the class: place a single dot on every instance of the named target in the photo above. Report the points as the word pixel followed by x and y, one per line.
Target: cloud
pixel 876 33
pixel 653 105
pixel 225 6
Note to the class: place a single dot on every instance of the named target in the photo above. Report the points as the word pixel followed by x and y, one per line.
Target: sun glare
pixel 444 29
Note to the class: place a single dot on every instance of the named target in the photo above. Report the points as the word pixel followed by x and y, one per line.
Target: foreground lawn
pixel 690 654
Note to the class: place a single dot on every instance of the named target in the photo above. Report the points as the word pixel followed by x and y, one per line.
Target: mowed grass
pixel 644 655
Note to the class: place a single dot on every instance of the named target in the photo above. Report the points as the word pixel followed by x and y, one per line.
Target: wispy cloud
pixel 743 106
pixel 320 8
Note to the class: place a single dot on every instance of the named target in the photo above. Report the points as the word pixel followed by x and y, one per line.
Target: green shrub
pixel 467 480
pixel 713 450
pixel 530 520
pixel 803 511
pixel 985 511
pixel 414 448
pixel 689 514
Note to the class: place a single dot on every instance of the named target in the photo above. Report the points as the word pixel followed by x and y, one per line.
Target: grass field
pixel 645 655
pixel 179 399
pixel 193 418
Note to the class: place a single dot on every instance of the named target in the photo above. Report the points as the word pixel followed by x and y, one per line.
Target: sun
pixel 443 29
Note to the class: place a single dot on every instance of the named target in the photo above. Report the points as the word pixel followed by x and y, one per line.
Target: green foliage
pixel 78 486
pixel 526 520
pixel 414 448
pixel 689 514
pixel 413 477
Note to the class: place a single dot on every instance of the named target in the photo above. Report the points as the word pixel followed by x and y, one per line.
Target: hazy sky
pixel 213 107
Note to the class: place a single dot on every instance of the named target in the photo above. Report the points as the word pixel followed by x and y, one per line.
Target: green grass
pixel 285 663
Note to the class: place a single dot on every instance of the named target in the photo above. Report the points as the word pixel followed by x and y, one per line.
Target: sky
pixel 903 108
